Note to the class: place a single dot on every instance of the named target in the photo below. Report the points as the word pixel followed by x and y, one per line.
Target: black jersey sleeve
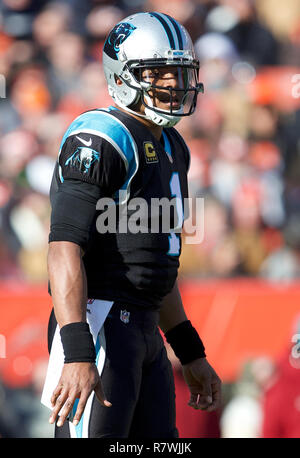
pixel 92 159
pixel 89 167
pixel 73 211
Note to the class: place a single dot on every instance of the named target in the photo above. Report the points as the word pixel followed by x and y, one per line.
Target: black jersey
pixel 117 155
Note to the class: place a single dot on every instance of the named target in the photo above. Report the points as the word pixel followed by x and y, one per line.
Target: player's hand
pixel 77 381
pixel 204 385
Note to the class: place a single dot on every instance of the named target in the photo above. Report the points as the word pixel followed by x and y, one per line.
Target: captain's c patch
pixel 150 153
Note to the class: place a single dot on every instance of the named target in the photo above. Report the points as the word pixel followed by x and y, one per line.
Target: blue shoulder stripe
pixel 167 144
pixel 101 123
pixel 107 126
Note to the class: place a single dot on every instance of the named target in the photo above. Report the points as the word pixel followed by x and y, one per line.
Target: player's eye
pixel 153 73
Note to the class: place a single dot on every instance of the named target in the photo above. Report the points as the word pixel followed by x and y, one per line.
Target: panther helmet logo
pixel 116 37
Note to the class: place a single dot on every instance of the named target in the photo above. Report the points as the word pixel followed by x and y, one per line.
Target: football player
pixel 112 289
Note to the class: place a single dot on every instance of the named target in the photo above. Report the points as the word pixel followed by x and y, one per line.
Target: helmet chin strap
pixel 163 120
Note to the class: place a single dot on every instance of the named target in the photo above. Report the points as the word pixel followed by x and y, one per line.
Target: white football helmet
pixel 148 42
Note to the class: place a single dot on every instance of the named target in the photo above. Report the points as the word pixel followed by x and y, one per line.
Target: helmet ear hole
pixel 118 81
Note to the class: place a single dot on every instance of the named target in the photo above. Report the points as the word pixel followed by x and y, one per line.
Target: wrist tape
pixel 185 342
pixel 77 342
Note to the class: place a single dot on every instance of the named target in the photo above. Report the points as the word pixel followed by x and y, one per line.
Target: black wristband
pixel 77 342
pixel 185 342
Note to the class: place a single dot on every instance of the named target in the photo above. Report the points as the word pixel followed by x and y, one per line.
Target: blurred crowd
pixel 245 162
pixel 244 137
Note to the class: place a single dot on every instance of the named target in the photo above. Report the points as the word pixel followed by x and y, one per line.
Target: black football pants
pixel 137 379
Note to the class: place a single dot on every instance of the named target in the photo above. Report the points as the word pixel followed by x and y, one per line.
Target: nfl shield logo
pixel 124 316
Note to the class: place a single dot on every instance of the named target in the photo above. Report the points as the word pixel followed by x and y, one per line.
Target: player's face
pixel 169 86
pixel 165 78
